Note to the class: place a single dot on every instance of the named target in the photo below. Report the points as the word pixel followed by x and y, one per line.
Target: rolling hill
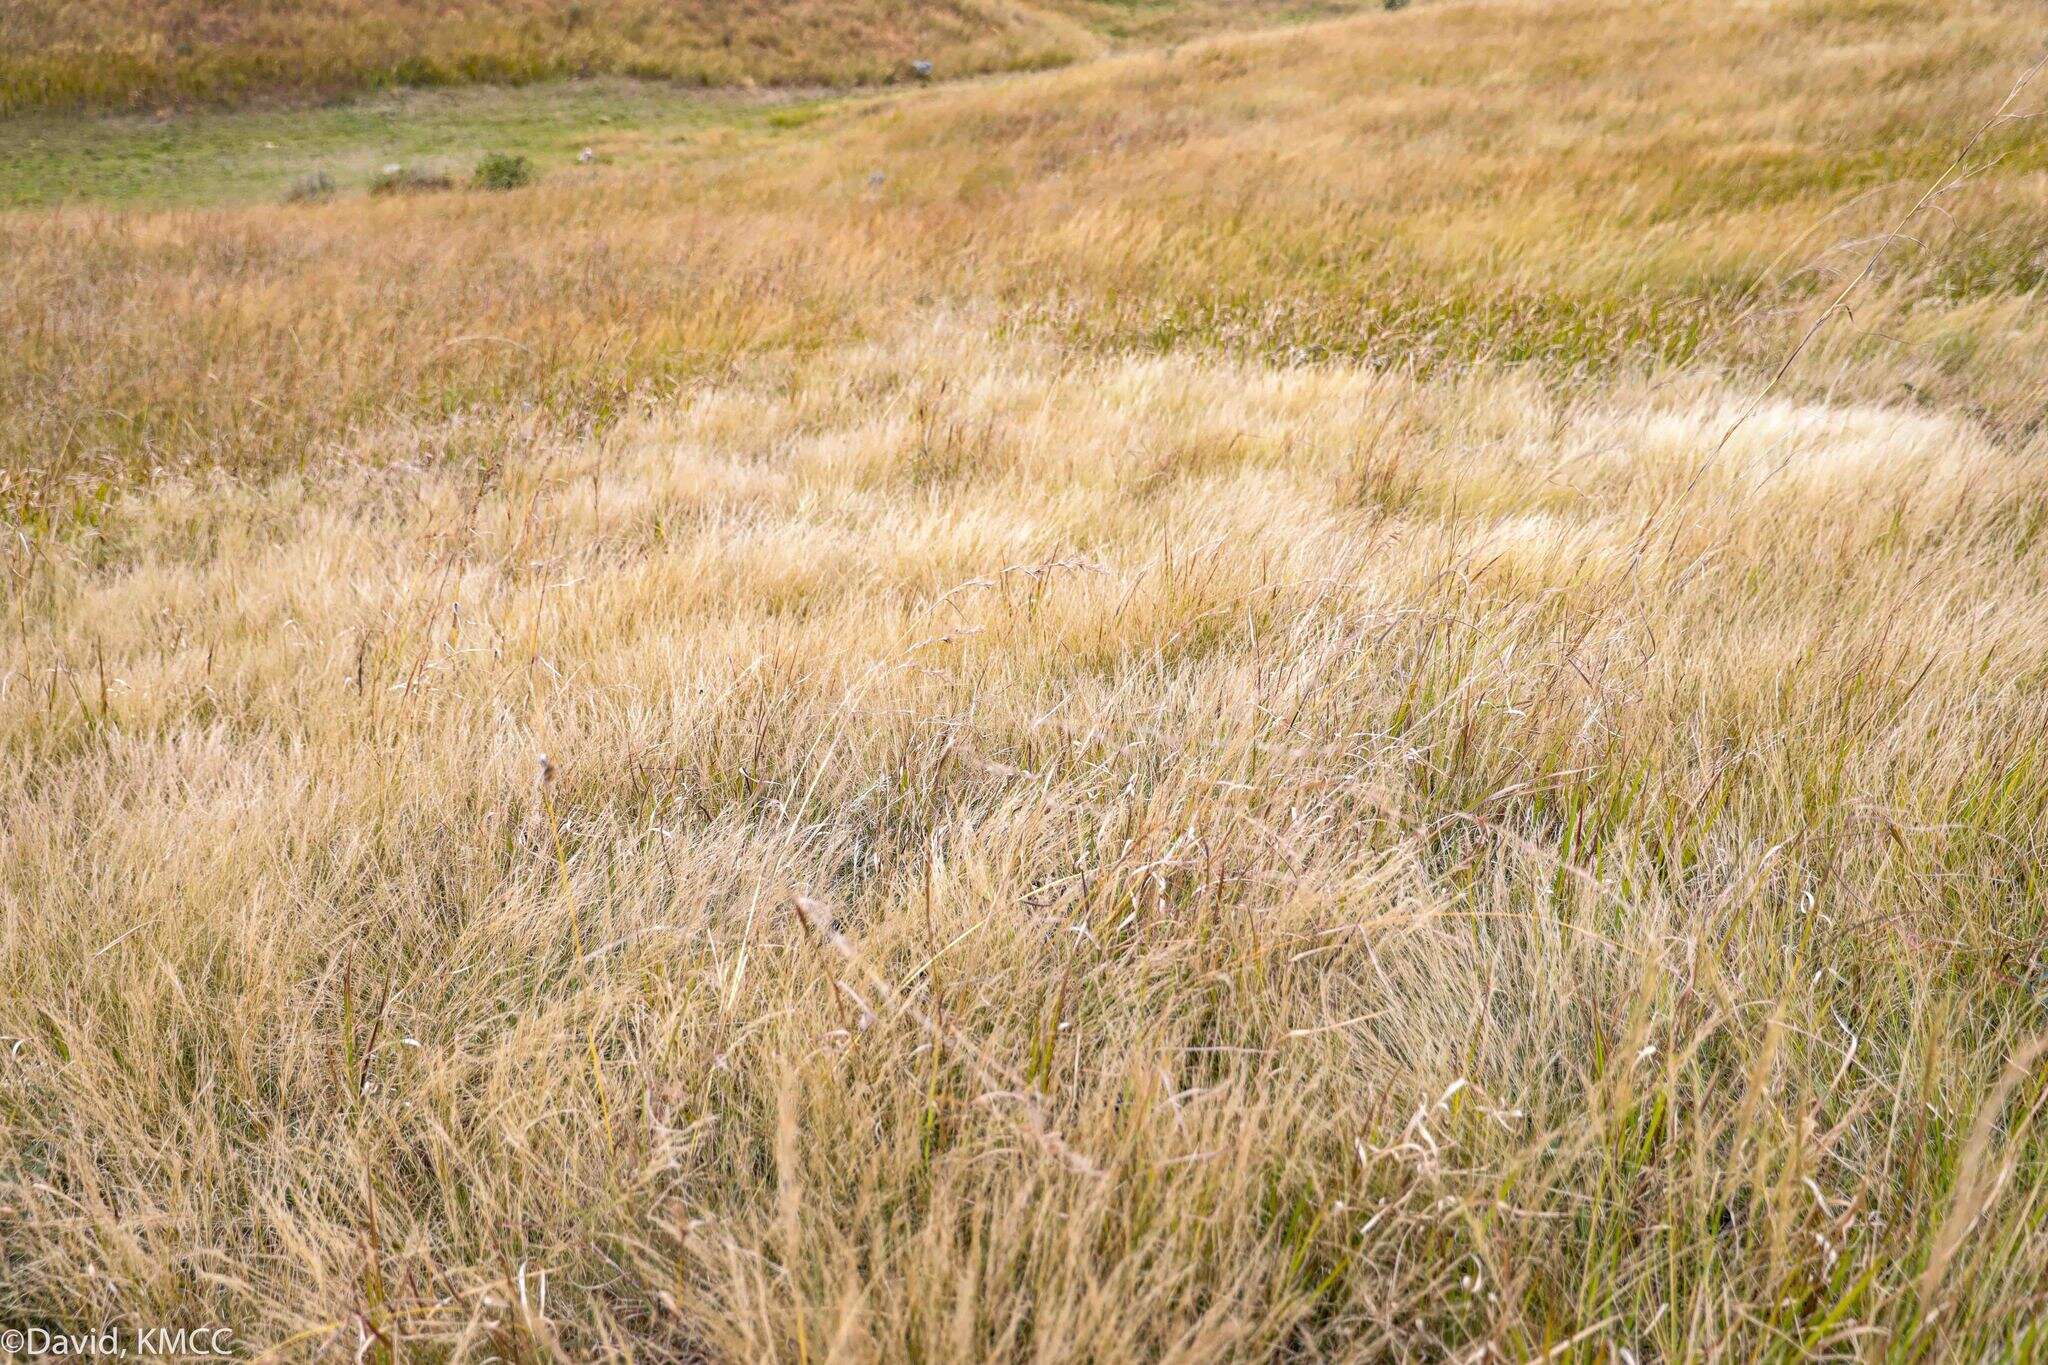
pixel 101 54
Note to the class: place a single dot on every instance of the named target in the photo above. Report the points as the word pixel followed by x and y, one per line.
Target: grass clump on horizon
pixel 1218 706
pixel 397 179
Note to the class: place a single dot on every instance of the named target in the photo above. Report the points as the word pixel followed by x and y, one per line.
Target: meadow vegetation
pixel 110 54
pixel 213 157
pixel 1295 697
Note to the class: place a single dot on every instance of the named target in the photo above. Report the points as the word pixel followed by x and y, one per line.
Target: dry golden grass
pixel 1384 792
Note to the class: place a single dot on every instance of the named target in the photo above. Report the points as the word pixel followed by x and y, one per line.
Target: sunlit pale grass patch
pixel 1383 896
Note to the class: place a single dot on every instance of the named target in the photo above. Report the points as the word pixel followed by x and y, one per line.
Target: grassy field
pixel 218 157
pixel 113 54
pixel 1374 691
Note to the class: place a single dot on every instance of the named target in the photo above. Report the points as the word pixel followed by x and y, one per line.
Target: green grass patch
pixel 223 157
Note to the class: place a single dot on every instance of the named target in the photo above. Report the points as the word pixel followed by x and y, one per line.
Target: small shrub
pixel 503 171
pixel 396 179
pixel 310 188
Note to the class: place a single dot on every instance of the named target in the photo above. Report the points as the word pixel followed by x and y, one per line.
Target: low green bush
pixel 502 171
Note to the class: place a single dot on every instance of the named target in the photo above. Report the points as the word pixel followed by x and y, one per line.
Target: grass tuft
pixel 399 179
pixel 502 171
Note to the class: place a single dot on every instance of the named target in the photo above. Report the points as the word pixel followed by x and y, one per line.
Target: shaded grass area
pixel 91 55
pixel 96 55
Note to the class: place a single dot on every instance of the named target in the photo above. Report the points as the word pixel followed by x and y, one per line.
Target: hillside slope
pixel 102 54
